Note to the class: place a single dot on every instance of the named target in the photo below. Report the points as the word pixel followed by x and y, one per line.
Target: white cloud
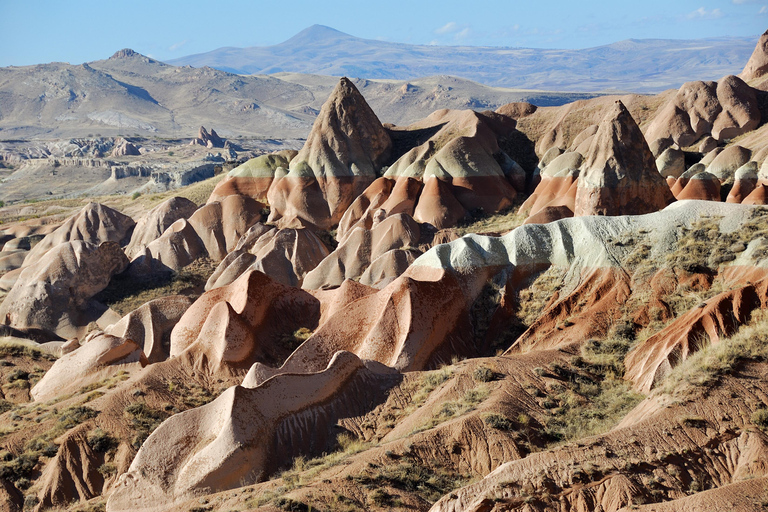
pixel 703 14
pixel 463 34
pixel 448 28
pixel 178 45
pixel 763 10
pixel 740 2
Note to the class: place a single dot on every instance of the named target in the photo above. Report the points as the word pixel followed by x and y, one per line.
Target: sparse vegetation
pixel 125 293
pixel 495 224
pixel 591 395
pixel 430 481
pixel 499 422
pixel 535 297
pixel 293 340
pixel 144 420
pixel 101 441
pixel 451 409
pixel 705 367
pixel 22 348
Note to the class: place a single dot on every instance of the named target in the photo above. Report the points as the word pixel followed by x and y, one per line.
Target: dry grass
pixel 124 293
pixel 493 225
pixel 704 368
pixel 535 298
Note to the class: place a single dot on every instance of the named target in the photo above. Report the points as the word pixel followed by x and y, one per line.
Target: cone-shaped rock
pixel 345 149
pixel 757 65
pixel 619 175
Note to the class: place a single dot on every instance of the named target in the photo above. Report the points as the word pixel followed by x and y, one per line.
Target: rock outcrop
pixel 286 255
pixel 757 66
pixel 95 224
pixel 235 440
pixel 54 293
pixel 723 109
pixel 344 153
pixel 361 247
pixel 125 148
pixel 619 175
pixel 156 221
pixel 209 140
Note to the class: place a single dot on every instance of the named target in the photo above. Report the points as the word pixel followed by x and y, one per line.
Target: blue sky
pixel 37 31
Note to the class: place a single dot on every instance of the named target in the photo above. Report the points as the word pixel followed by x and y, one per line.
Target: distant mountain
pixel 645 65
pixel 130 93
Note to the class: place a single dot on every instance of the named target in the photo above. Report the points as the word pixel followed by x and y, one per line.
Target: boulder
pixel 671 162
pixel 744 182
pixel 703 185
pixel 725 164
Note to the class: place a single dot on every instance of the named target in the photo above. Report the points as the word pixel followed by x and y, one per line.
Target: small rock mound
pixel 88 364
pixel 152 225
pixel 125 148
pixel 209 140
pixel 95 224
pixel 150 325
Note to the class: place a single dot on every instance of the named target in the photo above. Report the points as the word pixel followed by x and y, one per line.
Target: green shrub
pixel 499 422
pixel 73 416
pixel 483 374
pixel 760 418
pixel 100 440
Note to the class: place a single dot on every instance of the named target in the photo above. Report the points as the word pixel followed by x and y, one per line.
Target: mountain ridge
pixel 636 65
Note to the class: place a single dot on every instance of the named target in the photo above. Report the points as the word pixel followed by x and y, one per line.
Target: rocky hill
pixel 130 94
pixel 527 309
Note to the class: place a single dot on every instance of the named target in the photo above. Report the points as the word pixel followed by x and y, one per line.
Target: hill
pixel 636 65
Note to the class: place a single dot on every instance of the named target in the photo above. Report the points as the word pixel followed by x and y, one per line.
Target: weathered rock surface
pixel 125 148
pixel 286 255
pixel 234 440
pixel 54 293
pixel 619 175
pixel 254 177
pixel 88 364
pixel 95 224
pixel 723 109
pixel 343 154
pixel 152 225
pixel 362 246
pixel 150 325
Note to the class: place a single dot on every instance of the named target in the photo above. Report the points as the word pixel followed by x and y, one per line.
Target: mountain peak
pixel 317 33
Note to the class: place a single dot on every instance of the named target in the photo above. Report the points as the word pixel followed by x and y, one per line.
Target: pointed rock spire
pixel 619 175
pixel 757 65
pixel 347 138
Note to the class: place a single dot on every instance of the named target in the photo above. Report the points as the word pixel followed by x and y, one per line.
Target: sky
pixel 39 31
